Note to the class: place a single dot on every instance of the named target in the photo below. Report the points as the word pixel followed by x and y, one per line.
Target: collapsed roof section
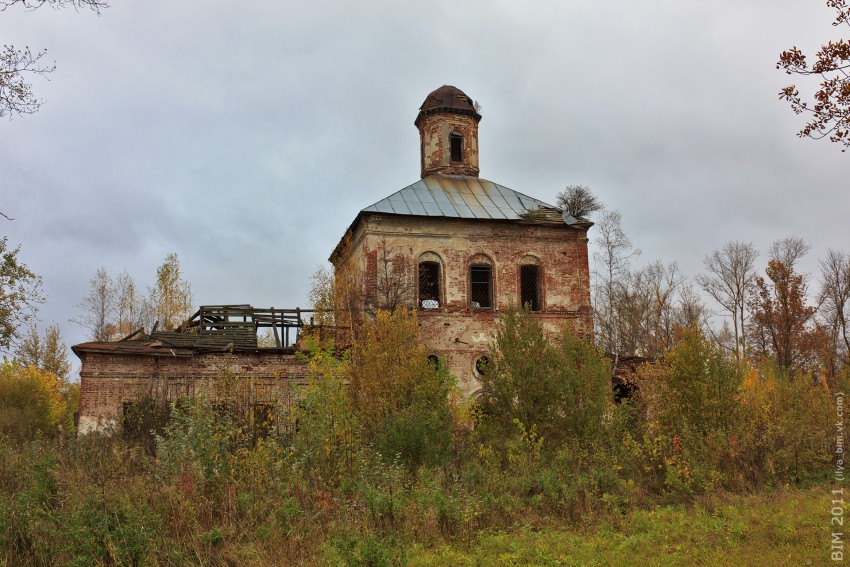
pixel 213 328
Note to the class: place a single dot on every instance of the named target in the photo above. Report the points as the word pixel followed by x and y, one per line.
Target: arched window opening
pixel 481 286
pixel 456 145
pixel 482 365
pixel 429 285
pixel 529 287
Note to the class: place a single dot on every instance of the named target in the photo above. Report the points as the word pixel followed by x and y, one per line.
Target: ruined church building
pixel 471 248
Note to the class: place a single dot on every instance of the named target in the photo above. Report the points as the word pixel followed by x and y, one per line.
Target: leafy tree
pixel 829 113
pixel 729 280
pixel 16 94
pixel 398 395
pixel 781 320
pixel 701 386
pixel 328 432
pixel 171 295
pixel 559 390
pixel 20 295
pixel 578 201
pixel 31 400
pixel 48 353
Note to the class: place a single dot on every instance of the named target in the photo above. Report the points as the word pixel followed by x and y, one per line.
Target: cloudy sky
pixel 246 136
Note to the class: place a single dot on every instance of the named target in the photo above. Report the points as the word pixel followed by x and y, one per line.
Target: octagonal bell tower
pixel 448 133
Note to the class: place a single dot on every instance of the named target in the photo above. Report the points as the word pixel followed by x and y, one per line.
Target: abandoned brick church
pixel 463 249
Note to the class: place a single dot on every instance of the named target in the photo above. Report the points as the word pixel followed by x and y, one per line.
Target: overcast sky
pixel 245 137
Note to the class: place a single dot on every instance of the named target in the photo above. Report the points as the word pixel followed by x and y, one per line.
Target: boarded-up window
pixel 429 285
pixel 456 142
pixel 529 285
pixel 481 286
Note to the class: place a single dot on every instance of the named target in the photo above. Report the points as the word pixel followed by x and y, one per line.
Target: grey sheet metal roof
pixel 459 196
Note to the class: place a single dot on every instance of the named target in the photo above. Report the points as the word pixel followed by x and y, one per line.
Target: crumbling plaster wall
pixel 455 331
pixel 107 381
pixel 434 131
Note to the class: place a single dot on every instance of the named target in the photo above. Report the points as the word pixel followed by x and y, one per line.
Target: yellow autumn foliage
pixel 31 400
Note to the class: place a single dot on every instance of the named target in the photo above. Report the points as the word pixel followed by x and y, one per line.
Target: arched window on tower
pixel 456 145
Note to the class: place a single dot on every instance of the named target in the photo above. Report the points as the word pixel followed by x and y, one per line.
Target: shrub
pixel 399 396
pixel 560 391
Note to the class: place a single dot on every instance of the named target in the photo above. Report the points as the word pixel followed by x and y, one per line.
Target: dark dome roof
pixel 448 98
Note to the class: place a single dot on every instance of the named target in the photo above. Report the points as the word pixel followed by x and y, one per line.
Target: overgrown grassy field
pixel 782 527
pixel 382 463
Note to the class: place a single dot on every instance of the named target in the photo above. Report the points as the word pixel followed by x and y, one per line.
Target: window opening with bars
pixel 481 286
pixel 429 285
pixel 529 285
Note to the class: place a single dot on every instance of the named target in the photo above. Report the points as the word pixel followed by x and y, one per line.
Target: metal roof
pixel 447 99
pixel 459 196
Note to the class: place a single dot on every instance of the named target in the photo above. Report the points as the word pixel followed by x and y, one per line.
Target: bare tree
pixel 95 5
pixel 690 310
pixel 729 281
pixel 97 307
pixel 789 250
pixel 18 65
pixel 835 302
pixel 579 201
pixel 643 309
pixel 612 258
pixel 132 310
pixel 16 94
pixel 395 286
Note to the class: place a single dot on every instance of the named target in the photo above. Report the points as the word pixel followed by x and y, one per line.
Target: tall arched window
pixel 481 286
pixel 429 285
pixel 529 287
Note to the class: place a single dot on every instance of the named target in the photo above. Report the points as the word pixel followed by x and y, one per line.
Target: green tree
pixel 560 390
pixel 20 295
pixel 327 435
pixel 171 295
pixel 398 395
pixel 700 386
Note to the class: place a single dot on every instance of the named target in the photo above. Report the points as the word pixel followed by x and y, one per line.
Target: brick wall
pixel 456 331
pixel 108 380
